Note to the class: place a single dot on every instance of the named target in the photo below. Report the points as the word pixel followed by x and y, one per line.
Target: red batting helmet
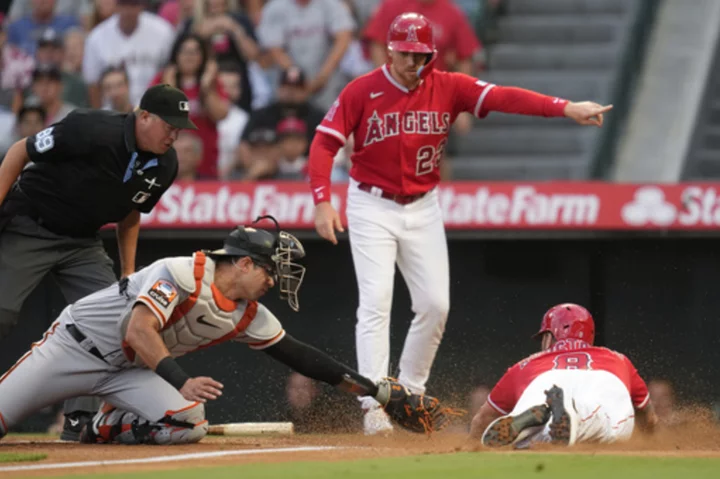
pixel 568 321
pixel 412 32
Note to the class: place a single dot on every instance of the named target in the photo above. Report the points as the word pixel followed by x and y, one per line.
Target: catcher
pixel 121 343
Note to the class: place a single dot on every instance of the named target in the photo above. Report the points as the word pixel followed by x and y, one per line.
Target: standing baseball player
pixel 122 345
pixel 59 187
pixel 569 392
pixel 400 116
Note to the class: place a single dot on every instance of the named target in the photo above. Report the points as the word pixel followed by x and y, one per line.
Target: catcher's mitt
pixel 414 412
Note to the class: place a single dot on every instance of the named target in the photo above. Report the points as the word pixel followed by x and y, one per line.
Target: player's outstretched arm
pixel 413 412
pixel 646 418
pixel 15 160
pixel 482 420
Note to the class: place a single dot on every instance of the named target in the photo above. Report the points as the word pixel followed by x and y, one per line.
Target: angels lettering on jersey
pixel 410 122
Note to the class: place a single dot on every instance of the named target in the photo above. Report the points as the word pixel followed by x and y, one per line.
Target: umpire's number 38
pixel 44 140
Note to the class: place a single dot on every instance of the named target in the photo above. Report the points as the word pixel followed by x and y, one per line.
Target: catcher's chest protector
pixel 206 317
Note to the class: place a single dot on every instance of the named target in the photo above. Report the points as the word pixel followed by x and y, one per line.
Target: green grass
pixel 460 466
pixel 22 456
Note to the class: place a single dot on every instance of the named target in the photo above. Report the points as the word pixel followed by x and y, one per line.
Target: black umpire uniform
pixel 84 172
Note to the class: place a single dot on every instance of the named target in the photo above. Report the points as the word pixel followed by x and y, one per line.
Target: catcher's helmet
pixel 412 32
pixel 568 321
pixel 276 251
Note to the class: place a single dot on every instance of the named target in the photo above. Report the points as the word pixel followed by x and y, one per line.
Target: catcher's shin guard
pixel 177 427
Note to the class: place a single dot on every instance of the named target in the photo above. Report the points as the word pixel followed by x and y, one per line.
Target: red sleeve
pixel 322 153
pixel 502 397
pixel 466 42
pixel 638 389
pixel 377 26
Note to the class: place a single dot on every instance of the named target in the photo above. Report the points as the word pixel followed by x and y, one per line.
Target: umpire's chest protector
pixel 206 317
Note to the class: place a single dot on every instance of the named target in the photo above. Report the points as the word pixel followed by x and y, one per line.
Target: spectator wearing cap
pixel 47 88
pixel 455 38
pixel 116 89
pixel 291 101
pixel 192 70
pixel 138 39
pixel 312 34
pixel 50 51
pixel 262 165
pixel 293 144
pixel 25 31
pixel 16 68
pixel 231 128
pixel 189 148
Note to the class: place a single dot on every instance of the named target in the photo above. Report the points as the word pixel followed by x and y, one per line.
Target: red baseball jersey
pixel 400 135
pixel 567 355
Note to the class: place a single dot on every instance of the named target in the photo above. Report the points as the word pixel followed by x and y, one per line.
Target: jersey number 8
pixel 44 140
pixel 573 361
pixel 428 158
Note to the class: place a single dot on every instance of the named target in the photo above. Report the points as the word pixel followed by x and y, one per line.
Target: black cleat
pixel 507 429
pixel 562 429
pixel 74 424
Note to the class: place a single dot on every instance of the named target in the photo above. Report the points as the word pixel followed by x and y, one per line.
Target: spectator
pixel 115 88
pixel 100 11
pixel 177 13
pixel 231 37
pixel 47 88
pixel 455 38
pixel 312 34
pixel 50 50
pixel 74 50
pixel 262 165
pixel 192 71
pixel 73 8
pixel 230 129
pixel 365 8
pixel 189 148
pixel 293 145
pixel 140 40
pixel 31 119
pixel 16 68
pixel 292 101
pixel 25 31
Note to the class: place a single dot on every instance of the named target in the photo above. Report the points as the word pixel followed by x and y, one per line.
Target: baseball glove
pixel 413 412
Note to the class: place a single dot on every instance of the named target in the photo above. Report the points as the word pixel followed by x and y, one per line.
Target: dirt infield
pixel 698 439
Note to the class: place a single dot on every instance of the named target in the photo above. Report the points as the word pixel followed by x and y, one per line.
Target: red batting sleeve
pixel 509 99
pixel 322 153
pixel 638 389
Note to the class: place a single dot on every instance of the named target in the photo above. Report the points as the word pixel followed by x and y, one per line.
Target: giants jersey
pixel 191 312
pixel 400 135
pixel 576 355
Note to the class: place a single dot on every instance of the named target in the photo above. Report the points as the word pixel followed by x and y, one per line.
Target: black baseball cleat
pixel 507 429
pixel 563 426
pixel 74 424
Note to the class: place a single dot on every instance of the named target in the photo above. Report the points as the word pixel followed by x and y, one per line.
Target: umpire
pixel 60 186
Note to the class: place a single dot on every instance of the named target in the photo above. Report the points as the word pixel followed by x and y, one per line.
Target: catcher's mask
pixel 278 251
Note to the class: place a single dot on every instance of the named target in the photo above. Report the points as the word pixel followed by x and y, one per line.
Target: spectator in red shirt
pixel 192 71
pixel 455 39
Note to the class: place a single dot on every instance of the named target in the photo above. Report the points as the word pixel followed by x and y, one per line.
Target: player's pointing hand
pixel 327 220
pixel 587 112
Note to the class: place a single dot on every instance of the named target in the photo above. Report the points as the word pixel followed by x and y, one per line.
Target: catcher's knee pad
pixel 184 426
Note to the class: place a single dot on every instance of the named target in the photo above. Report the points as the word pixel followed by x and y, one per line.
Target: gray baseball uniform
pixel 83 352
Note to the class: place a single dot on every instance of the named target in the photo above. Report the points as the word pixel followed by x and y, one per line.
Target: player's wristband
pixel 170 371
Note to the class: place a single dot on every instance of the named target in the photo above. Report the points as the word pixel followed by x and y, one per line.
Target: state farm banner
pixel 465 205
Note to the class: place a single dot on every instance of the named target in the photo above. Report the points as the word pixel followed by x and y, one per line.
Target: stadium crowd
pixel 260 74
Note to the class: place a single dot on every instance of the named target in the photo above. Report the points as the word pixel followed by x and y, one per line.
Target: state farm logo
pixel 649 207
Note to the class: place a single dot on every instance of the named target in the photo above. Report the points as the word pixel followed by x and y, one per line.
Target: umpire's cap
pixel 170 104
